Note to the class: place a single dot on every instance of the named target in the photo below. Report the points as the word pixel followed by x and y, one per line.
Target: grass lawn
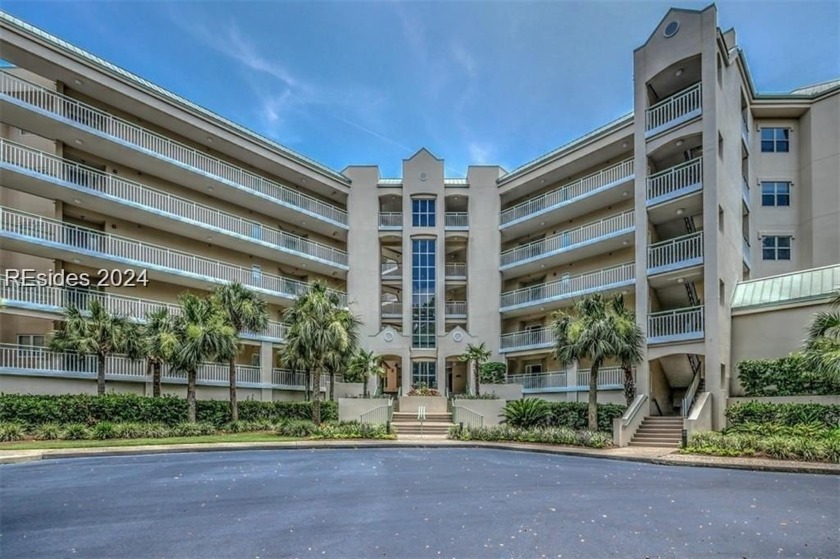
pixel 256 437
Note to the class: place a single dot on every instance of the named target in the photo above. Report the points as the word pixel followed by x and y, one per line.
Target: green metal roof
pixel 796 287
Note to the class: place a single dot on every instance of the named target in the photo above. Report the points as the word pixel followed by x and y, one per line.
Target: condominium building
pixel 706 184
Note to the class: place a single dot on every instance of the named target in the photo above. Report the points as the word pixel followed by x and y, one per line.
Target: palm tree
pixel 476 355
pixel 340 360
pixel 203 335
pixel 317 334
pixel 160 341
pixel 598 330
pixel 822 347
pixel 96 332
pixel 243 309
pixel 631 350
pixel 366 364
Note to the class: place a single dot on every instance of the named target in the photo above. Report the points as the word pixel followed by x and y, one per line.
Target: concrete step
pixel 430 417
pixel 657 438
pixel 666 419
pixel 655 444
pixel 659 431
pixel 425 431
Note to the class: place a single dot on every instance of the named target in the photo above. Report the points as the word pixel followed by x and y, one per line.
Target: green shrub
pixel 11 431
pixel 103 430
pixel 298 428
pixel 48 432
pixel 193 429
pixel 788 376
pixel 76 431
pixel 526 413
pixel 779 446
pixel 550 435
pixel 827 415
pixel 575 415
pixel 248 426
pixel 482 396
pixel 493 372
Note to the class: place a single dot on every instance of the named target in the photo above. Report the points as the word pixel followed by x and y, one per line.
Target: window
pixel 255 359
pixel 423 292
pixel 423 212
pixel 533 368
pixel 424 373
pixel 775 248
pixel 36 340
pixel 775 194
pixel 775 140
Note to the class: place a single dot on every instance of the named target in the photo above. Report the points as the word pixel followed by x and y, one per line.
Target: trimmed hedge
pixel 827 415
pixel 788 376
pixel 549 435
pixel 823 448
pixel 33 410
pixel 574 415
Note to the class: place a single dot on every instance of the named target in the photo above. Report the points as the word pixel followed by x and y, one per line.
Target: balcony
pixel 537 338
pixel 456 271
pixel 60 117
pixel 52 301
pixel 51 177
pixel 295 380
pixel 676 254
pixel 392 309
pixel 391 271
pixel 677 325
pixel 747 255
pixel 604 235
pixel 681 107
pixel 745 191
pixel 745 132
pixel 609 378
pixel 554 294
pixel 50 238
pixel 585 194
pixel 390 221
pixel 676 182
pixel 456 221
pixel 455 310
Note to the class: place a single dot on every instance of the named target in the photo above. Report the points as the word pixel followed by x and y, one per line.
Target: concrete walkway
pixel 652 455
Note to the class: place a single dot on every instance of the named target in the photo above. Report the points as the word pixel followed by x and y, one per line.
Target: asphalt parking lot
pixel 408 503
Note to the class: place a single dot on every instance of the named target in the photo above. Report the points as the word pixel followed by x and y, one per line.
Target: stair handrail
pixel 377 416
pixel 634 409
pixel 688 398
pixel 471 418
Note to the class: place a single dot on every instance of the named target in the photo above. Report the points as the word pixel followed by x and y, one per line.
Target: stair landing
pixel 435 425
pixel 659 431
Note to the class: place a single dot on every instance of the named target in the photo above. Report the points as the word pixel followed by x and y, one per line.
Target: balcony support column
pixel 266 365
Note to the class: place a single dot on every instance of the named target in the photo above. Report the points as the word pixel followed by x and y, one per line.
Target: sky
pixel 353 83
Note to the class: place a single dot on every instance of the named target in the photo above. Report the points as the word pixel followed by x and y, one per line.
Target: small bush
pixel 526 413
pixel 248 426
pixel 493 372
pixel 103 430
pixel 575 415
pixel 779 446
pixel 298 428
pixel 482 396
pixel 11 431
pixel 193 429
pixel 48 432
pixel 423 391
pixel 827 415
pixel 75 432
pixel 550 435
pixel 350 430
pixel 788 376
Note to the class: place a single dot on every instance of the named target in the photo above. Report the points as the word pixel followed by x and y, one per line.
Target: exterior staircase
pixel 406 424
pixel 659 431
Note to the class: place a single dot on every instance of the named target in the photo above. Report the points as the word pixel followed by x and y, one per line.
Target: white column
pixel 571 382
pixel 266 365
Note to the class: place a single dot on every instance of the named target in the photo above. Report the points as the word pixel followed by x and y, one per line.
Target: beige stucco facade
pixel 663 205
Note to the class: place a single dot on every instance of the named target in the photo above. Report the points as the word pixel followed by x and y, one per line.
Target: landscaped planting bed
pixel 549 435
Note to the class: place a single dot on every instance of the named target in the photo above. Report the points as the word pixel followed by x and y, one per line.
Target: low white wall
pixel 701 415
pixel 345 389
pixel 351 409
pixel 490 409
pixel 604 396
pixel 622 435
pixel 434 404
pixel 786 400
pixel 503 391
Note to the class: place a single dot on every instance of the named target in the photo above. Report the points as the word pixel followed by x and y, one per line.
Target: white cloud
pixel 480 153
pixel 464 58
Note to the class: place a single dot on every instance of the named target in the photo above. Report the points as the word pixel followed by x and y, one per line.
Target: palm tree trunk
pixel 629 385
pixel 316 402
pixel 364 386
pixel 156 379
pixel 476 378
pixel 234 405
pixel 332 386
pixel 593 397
pixel 100 374
pixel 307 393
pixel 191 395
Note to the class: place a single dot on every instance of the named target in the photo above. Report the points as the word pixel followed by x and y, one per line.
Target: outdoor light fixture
pixel 680 211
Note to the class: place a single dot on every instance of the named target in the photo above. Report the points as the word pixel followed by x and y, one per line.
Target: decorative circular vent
pixel 423 176
pixel 388 336
pixel 458 337
pixel 671 29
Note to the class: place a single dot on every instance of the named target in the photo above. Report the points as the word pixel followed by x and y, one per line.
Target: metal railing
pixel 455 270
pixel 390 270
pixel 675 251
pixel 455 308
pixel 292 379
pixel 108 186
pixel 55 299
pixel 676 323
pixel 105 245
pixel 674 107
pixel 571 286
pixel 390 220
pixel 634 409
pixel 379 415
pixel 607 376
pixel 678 177
pixel 94 119
pixel 569 239
pixel 540 381
pixel 392 308
pixel 537 337
pixel 470 418
pixel 690 393
pixel 568 193
pixel 456 220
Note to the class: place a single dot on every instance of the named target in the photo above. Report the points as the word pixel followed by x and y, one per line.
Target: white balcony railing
pixel 572 286
pixel 607 376
pixel 391 270
pixel 675 253
pixel 455 269
pixel 674 109
pixel 455 308
pixel 107 186
pixel 392 308
pixel 98 121
pixel 456 220
pixel 296 380
pixel 675 325
pixel 570 239
pixel 526 339
pixel 671 183
pixel 540 381
pixel 42 230
pixel 390 220
pixel 53 299
pixel 568 193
